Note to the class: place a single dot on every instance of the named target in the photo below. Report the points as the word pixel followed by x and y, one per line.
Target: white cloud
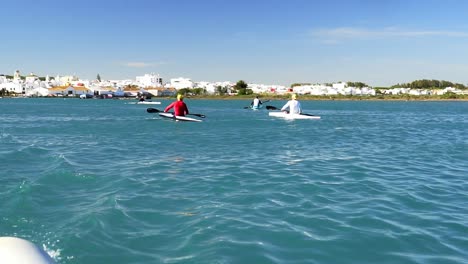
pixel 333 35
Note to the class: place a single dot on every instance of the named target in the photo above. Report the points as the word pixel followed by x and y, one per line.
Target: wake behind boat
pixel 145 102
pixel 148 102
pixel 293 116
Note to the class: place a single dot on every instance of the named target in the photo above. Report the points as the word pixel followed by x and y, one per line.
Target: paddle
pixel 154 110
pixel 270 107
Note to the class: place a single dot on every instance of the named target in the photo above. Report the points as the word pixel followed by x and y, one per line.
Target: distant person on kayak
pixel 180 108
pixel 293 105
pixel 256 103
pixel 142 99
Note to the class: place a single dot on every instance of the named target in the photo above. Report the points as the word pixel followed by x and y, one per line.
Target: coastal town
pixel 152 84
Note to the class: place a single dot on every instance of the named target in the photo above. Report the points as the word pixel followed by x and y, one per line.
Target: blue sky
pixel 377 42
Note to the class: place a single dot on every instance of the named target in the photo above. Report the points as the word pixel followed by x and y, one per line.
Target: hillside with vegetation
pixel 429 84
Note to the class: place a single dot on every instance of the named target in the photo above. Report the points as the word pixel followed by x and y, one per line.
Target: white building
pixel 66 79
pixel 180 83
pixel 208 86
pixel 339 86
pixel 17 75
pixel 85 83
pixel 39 91
pixel 266 88
pixel 31 78
pixel 367 91
pixel 15 87
pixel 149 80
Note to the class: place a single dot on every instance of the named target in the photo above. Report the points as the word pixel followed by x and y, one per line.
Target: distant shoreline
pixel 324 98
pixel 460 98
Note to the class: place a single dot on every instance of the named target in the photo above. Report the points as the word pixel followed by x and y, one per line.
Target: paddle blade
pixel 199 115
pixel 270 107
pixel 152 110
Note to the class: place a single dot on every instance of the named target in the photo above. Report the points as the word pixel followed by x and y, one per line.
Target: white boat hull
pixel 15 250
pixel 293 116
pixel 256 107
pixel 179 118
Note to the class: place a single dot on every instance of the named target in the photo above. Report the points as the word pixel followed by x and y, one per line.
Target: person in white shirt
pixel 256 103
pixel 293 105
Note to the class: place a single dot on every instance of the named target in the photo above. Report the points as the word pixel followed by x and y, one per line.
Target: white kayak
pixel 293 116
pixel 256 107
pixel 179 118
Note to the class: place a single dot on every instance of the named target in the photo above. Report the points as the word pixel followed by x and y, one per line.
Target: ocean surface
pixel 103 181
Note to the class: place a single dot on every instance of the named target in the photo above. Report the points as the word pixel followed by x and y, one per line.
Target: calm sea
pixel 103 181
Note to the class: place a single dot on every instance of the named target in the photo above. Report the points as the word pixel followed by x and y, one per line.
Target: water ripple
pixel 372 182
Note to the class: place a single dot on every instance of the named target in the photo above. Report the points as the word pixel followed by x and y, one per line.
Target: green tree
pixel 184 91
pixel 299 84
pixel 240 84
pixel 221 90
pixel 98 77
pixel 357 84
pixel 429 84
pixel 449 95
pixel 240 87
pixel 244 91
pixel 198 91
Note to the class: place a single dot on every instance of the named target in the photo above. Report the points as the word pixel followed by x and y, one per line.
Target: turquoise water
pixel 102 181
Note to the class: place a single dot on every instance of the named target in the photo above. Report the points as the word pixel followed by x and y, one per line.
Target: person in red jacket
pixel 180 108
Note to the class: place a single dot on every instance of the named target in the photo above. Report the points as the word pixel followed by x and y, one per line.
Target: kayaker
pixel 180 108
pixel 293 105
pixel 256 103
